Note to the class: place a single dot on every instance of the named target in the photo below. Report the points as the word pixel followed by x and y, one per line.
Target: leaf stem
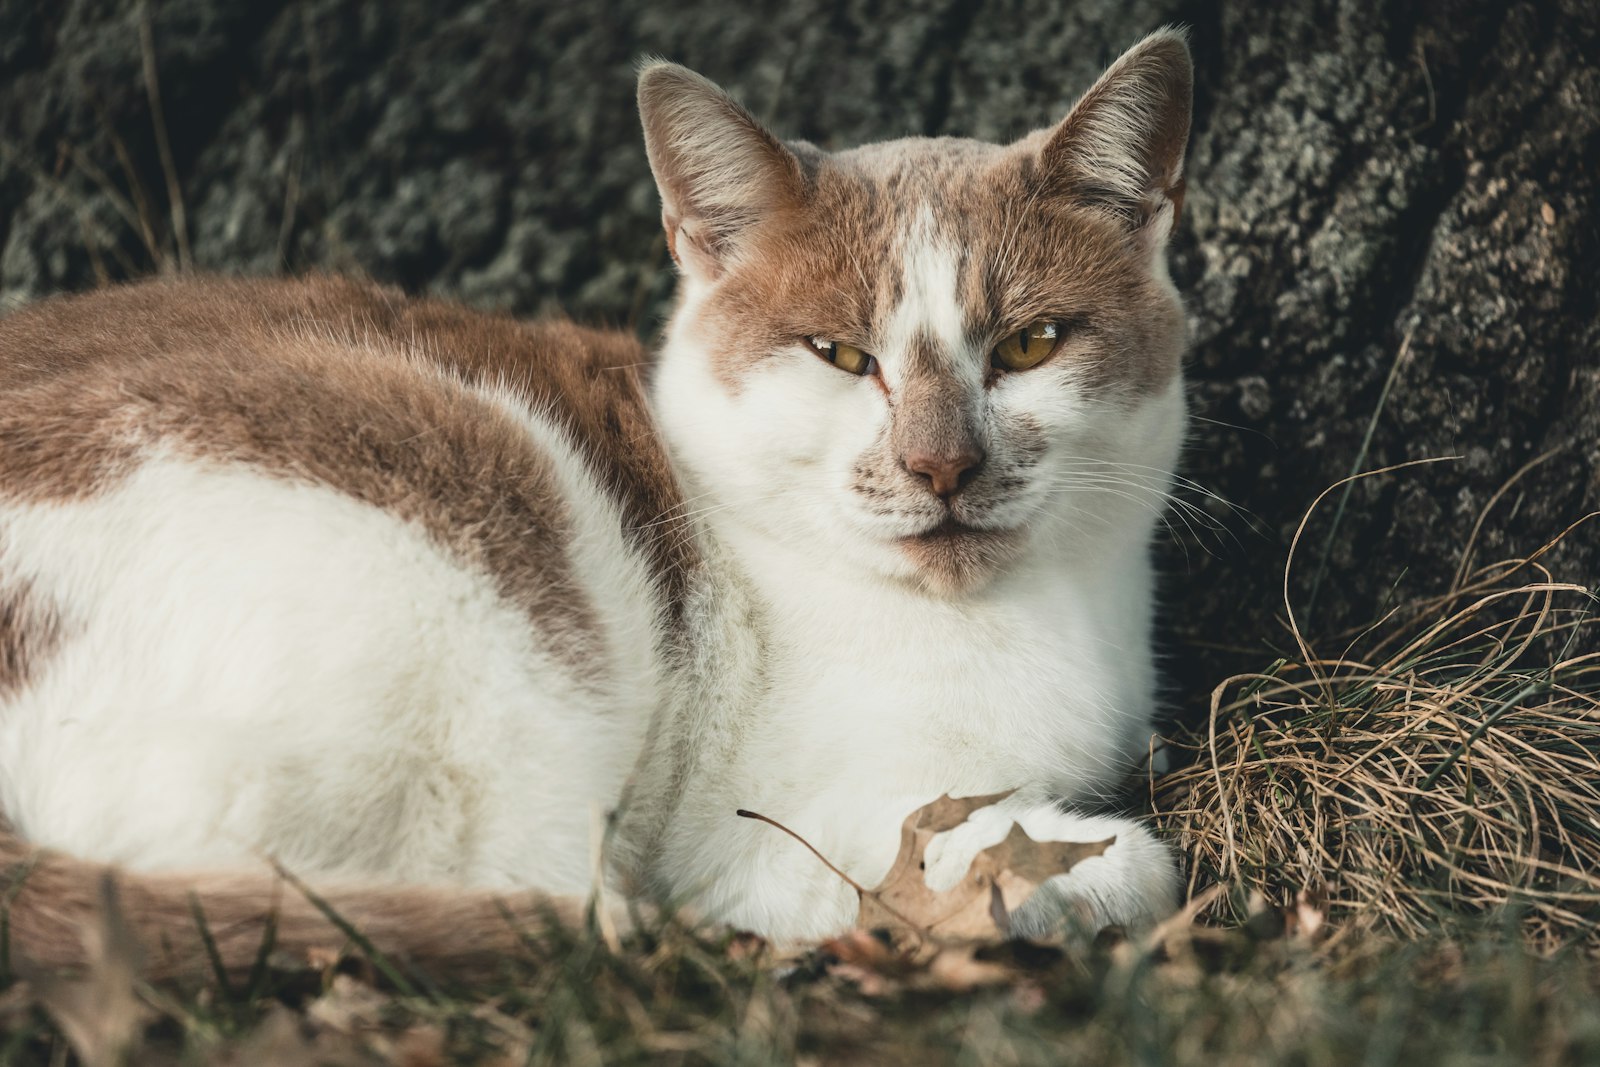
pixel 851 882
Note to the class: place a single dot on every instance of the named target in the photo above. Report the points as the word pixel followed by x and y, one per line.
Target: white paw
pixel 950 854
pixel 1134 883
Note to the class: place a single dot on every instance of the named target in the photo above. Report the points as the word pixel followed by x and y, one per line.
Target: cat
pixel 409 597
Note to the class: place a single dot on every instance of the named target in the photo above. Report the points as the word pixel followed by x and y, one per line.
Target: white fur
pixel 930 303
pixel 878 697
pixel 255 666
pixel 879 700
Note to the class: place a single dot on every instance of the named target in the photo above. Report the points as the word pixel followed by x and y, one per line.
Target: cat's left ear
pixel 1121 148
pixel 719 171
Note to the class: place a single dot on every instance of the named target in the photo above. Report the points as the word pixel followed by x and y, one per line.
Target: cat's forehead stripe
pixel 929 308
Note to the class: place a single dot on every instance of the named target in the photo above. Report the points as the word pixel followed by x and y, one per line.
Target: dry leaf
pixel 868 961
pixel 1299 920
pixel 903 899
pixel 932 937
pixel 420 1046
pixel 348 1007
pixel 999 880
pixel 861 947
pixel 748 946
pixel 958 969
pixel 323 958
pixel 279 1041
pixel 101 1014
pixel 1310 913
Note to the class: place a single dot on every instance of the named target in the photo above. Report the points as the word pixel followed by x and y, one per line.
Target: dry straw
pixel 1445 763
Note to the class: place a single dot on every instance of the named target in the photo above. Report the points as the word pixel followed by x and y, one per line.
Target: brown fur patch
pixel 339 383
pixel 57 905
pixel 831 267
pixel 952 560
pixel 29 631
pixel 932 414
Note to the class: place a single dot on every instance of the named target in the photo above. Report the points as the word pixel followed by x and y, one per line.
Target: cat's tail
pixel 60 912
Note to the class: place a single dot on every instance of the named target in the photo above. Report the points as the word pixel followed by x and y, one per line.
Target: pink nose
pixel 948 472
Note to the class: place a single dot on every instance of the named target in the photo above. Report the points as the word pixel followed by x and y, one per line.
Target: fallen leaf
pixel 420 1046
pixel 957 968
pixel 323 958
pixel 1310 913
pixel 348 1007
pixel 863 948
pixel 101 1014
pixel 903 899
pixel 910 936
pixel 999 880
pixel 748 946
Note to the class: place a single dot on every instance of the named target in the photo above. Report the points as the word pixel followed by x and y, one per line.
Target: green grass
pixel 675 997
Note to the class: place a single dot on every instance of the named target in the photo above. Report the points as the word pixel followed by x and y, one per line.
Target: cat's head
pixel 930 358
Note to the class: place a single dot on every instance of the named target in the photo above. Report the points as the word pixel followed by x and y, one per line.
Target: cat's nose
pixel 947 472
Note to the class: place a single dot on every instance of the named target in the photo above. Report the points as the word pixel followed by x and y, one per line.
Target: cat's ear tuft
pixel 719 171
pixel 1121 147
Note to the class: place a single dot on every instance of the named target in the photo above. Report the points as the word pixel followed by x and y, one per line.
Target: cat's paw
pixel 1133 884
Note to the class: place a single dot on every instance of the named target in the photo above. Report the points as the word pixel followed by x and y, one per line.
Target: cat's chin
pixel 956 558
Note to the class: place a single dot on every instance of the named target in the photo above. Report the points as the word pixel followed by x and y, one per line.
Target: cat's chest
pixel 1014 690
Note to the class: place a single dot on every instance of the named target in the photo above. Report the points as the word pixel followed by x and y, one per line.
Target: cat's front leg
pixel 1134 883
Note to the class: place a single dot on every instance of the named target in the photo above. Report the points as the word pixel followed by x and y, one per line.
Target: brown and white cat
pixel 402 594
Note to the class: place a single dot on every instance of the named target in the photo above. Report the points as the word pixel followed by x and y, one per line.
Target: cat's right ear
pixel 719 171
pixel 1121 148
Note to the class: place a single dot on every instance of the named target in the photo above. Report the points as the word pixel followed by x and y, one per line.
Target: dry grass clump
pixel 1446 763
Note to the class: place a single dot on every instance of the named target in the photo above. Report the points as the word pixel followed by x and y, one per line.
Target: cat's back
pixel 240 512
pixel 314 370
pixel 442 415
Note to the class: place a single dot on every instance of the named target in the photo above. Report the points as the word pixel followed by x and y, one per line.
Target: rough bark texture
pixel 1377 189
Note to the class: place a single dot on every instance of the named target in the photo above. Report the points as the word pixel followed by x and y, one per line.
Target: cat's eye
pixel 1029 347
pixel 845 357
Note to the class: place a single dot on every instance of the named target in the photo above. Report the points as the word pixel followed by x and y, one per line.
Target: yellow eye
pixel 1028 348
pixel 845 357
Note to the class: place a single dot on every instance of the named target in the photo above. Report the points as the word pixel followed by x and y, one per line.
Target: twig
pixel 1427 81
pixel 826 862
pixel 130 173
pixel 851 882
pixel 600 835
pixel 291 190
pixel 1349 482
pixel 1288 566
pixel 1477 527
pixel 152 89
